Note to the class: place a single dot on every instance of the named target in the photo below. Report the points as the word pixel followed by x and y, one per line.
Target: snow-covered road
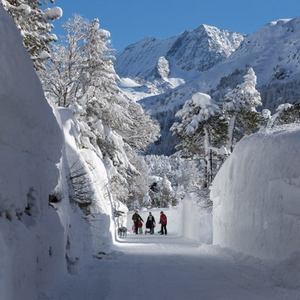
pixel 170 267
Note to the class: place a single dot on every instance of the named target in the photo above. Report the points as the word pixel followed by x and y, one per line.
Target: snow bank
pixel 31 235
pixel 196 221
pixel 30 139
pixel 41 241
pixel 256 195
pixel 88 160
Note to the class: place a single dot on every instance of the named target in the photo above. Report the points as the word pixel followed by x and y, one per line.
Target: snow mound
pixel 256 195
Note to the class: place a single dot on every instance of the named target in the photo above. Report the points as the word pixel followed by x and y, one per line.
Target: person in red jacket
pixel 163 222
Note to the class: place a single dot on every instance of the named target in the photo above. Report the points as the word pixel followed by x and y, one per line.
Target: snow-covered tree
pixel 202 132
pixel 110 112
pixel 63 77
pixel 139 184
pixel 34 25
pixel 171 178
pixel 81 76
pixel 240 109
pixel 285 114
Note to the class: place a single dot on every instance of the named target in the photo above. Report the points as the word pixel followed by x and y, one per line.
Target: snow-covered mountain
pixel 272 51
pixel 157 65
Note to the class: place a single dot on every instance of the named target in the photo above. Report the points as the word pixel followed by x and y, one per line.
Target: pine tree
pixel 108 107
pixel 239 108
pixel 202 132
pixel 285 114
pixel 34 26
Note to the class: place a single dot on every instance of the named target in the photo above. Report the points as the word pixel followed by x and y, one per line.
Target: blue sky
pixel 130 21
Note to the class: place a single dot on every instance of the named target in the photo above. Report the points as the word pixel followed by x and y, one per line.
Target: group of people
pixel 150 223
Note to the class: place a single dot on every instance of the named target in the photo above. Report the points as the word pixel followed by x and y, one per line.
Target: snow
pixel 52 250
pixel 25 7
pixel 207 106
pixel 162 65
pixel 40 242
pixel 271 51
pixel 101 231
pixel 53 13
pixel 186 52
pixel 171 267
pixel 256 195
pixel 26 119
pixel 30 152
pixel 128 83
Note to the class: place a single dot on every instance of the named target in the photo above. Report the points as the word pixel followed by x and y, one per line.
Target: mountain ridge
pixel 187 55
pixel 273 51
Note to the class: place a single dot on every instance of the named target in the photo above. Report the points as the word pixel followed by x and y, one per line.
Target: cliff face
pixel 161 65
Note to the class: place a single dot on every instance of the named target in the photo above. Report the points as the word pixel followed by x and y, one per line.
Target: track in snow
pixel 169 267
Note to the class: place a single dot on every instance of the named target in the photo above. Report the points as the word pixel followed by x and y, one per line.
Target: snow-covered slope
pixel 163 64
pixel 196 50
pixel 273 53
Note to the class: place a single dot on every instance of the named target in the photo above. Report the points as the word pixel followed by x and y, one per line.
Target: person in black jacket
pixel 150 223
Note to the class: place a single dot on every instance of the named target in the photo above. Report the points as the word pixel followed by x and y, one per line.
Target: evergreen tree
pixel 110 112
pixel 202 132
pixel 34 26
pixel 289 113
pixel 240 109
pixel 285 114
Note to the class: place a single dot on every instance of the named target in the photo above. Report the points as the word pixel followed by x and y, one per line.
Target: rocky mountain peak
pixel 196 50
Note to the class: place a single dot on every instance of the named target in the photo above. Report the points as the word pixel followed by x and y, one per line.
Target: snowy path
pixel 169 267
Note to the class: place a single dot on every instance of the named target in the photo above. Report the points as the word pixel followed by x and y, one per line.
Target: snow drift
pixel 256 195
pixel 30 149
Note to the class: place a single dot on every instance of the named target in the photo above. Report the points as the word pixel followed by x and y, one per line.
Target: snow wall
pixel 88 160
pixel 196 222
pixel 31 236
pixel 40 241
pixel 256 195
